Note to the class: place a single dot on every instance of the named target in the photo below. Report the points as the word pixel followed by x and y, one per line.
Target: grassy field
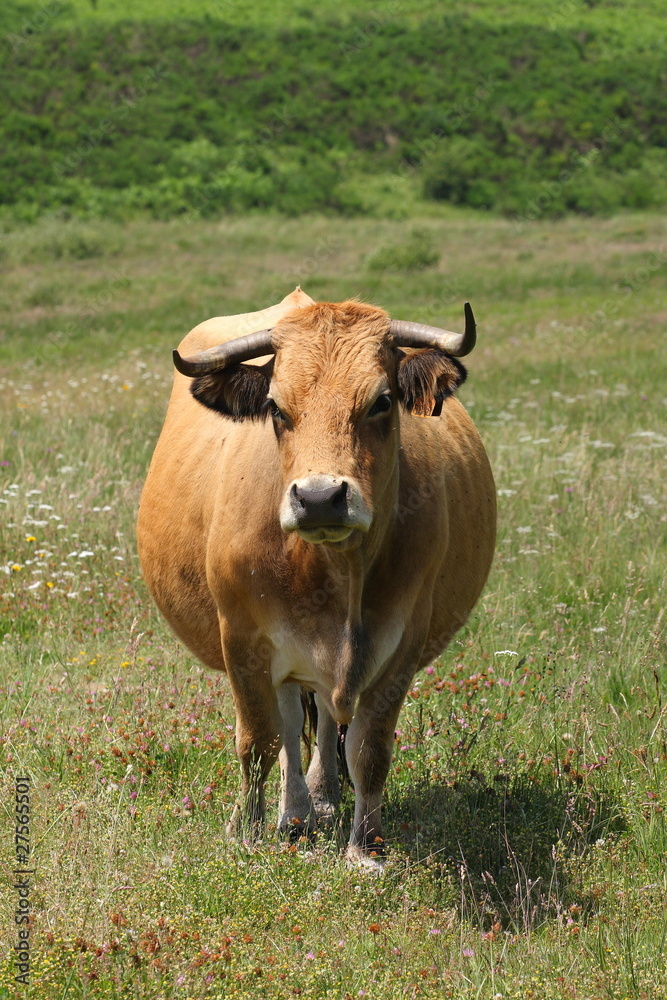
pixel 525 804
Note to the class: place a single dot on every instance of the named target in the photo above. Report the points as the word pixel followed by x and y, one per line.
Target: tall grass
pixel 525 805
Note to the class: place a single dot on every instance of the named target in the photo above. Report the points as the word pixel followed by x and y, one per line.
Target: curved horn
pixel 419 335
pixel 224 355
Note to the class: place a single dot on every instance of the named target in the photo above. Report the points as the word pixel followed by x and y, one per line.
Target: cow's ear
pixel 426 378
pixel 238 392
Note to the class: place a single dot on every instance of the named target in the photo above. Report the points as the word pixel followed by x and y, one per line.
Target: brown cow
pixel 302 525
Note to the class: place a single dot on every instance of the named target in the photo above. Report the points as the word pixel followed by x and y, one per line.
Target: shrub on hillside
pixel 416 253
pixel 177 116
pixel 462 171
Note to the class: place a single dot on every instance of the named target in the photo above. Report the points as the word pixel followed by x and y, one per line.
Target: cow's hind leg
pixel 297 815
pixel 322 778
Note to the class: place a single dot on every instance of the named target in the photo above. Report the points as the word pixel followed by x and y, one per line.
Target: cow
pixel 319 514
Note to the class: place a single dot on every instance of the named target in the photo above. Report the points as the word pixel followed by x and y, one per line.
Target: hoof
pixel 240 829
pixel 326 815
pixel 364 862
pixel 295 828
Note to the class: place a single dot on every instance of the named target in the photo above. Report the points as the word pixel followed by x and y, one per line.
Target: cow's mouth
pixel 332 534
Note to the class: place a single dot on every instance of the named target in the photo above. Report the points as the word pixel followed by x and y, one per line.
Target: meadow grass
pixel 525 804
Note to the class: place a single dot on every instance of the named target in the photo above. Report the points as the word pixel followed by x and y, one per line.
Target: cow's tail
pixel 309 731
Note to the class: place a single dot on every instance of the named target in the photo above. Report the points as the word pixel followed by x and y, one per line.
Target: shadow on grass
pixel 511 850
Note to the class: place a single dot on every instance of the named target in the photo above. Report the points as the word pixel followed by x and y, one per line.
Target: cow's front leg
pixel 322 778
pixel 369 745
pixel 258 729
pixel 297 815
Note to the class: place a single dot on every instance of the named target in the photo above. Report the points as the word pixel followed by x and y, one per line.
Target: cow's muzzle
pixel 324 508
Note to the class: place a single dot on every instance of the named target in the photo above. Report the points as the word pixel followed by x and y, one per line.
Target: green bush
pixel 416 253
pixel 592 193
pixel 462 171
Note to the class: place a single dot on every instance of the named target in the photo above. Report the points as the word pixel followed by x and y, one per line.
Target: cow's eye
pixel 275 411
pixel 381 405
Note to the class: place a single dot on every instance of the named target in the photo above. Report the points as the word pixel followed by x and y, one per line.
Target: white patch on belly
pixel 299 661
pixel 313 664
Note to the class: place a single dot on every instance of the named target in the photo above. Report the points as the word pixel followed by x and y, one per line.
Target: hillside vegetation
pixel 529 110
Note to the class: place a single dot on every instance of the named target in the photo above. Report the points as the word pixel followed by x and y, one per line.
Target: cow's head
pixel 333 392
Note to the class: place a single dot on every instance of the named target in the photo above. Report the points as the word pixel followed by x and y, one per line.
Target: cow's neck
pixel 351 568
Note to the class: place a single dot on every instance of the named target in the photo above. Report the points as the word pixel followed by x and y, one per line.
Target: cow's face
pixel 334 407
pixel 333 396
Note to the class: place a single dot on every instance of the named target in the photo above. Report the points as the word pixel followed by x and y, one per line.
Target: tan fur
pixel 351 623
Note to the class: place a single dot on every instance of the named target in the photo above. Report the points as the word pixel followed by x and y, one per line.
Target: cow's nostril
pixel 340 500
pixel 320 506
pixel 297 502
